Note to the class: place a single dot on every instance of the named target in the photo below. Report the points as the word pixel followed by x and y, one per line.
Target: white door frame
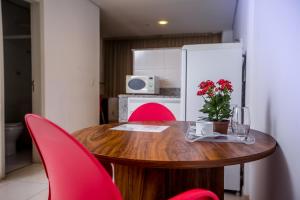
pixel 37 58
pixel 37 74
pixel 2 121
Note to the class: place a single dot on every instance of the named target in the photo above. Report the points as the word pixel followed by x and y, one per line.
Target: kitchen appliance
pixel 212 62
pixel 142 84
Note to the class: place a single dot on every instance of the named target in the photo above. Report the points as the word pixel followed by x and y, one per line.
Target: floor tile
pixel 43 195
pixel 229 196
pixel 34 173
pixel 19 160
pixel 15 190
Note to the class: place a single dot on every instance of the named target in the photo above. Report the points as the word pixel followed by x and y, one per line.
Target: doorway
pixel 17 82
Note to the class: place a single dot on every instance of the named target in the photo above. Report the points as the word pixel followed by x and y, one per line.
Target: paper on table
pixel 140 128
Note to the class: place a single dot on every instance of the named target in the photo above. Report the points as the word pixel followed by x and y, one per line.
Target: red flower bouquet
pixel 216 99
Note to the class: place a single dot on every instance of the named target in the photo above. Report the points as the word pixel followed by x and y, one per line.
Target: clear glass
pixel 240 122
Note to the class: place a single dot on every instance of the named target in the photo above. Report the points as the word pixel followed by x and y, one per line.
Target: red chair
pixel 152 112
pixel 73 172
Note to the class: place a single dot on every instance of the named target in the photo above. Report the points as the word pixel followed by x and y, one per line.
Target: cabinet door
pixel 173 104
pixel 163 63
pixel 232 177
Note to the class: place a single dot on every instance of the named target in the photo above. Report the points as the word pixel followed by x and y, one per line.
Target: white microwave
pixel 142 84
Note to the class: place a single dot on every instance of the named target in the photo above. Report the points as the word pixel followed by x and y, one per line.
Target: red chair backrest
pixel 73 172
pixel 152 112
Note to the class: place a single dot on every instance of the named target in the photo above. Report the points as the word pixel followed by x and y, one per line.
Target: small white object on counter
pixel 203 127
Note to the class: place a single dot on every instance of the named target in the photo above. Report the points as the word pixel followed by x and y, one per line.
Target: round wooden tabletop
pixel 169 149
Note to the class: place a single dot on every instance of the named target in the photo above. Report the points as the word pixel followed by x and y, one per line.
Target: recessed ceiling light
pixel 162 22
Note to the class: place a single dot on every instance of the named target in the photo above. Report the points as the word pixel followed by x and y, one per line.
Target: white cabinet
pixel 163 63
pixel 173 104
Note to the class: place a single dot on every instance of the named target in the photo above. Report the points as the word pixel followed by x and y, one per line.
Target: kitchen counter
pixel 163 93
pixel 148 96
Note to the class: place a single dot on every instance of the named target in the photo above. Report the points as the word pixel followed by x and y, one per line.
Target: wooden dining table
pixel 154 166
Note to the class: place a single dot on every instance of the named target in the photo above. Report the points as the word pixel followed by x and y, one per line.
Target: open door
pixel 37 92
pixel 36 77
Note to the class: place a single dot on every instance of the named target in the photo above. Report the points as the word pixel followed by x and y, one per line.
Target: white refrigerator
pixel 211 62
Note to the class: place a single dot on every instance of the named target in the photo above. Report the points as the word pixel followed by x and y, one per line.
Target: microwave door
pixel 137 85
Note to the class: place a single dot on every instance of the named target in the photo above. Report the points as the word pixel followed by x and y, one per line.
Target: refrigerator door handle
pixel 244 75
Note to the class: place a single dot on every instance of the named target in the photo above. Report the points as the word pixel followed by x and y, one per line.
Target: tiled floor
pixel 20 159
pixel 30 183
pixel 228 196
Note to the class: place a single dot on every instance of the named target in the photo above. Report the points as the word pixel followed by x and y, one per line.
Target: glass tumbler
pixel 240 122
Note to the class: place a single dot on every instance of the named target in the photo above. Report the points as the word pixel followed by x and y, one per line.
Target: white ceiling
pixel 120 18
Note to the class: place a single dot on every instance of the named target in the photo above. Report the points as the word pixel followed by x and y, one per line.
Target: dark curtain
pixel 118 56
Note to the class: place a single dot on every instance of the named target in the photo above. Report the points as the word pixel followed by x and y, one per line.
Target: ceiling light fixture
pixel 162 22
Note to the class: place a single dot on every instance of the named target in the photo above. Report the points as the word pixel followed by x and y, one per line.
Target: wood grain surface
pixel 169 149
pixel 142 183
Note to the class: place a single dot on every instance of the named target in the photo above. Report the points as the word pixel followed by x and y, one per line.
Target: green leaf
pixel 218 106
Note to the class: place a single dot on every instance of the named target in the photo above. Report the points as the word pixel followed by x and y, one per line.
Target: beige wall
pixel 71 41
pixel 270 31
pixel 69 64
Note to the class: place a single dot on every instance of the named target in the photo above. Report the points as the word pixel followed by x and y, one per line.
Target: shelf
pixel 16 37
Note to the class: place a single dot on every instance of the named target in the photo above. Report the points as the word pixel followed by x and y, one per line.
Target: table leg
pixel 137 183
